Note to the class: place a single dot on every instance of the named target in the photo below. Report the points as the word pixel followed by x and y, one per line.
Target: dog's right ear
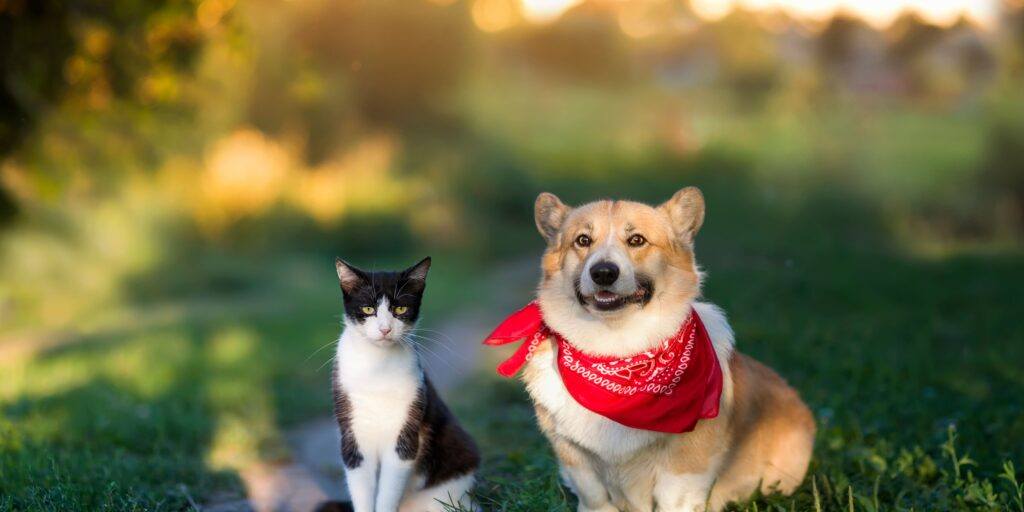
pixel 686 211
pixel 350 277
pixel 549 213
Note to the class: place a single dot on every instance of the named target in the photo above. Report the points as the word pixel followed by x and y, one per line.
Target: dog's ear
pixel 686 212
pixel 350 277
pixel 549 213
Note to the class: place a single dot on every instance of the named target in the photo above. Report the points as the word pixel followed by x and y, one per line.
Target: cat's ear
pixel 350 277
pixel 418 272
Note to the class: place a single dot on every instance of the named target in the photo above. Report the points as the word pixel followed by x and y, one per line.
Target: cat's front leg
pixel 362 484
pixel 394 478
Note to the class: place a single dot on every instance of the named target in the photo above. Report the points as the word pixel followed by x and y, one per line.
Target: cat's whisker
pixel 427 355
pixel 433 354
pixel 436 335
pixel 438 342
pixel 329 361
pixel 447 342
pixel 421 347
pixel 441 333
pixel 317 351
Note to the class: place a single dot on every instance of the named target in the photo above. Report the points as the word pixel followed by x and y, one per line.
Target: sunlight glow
pixel 876 12
pixel 545 10
pixel 494 15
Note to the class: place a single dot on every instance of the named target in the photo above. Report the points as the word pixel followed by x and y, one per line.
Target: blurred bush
pixel 1002 176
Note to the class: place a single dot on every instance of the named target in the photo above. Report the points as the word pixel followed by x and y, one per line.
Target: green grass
pixel 911 363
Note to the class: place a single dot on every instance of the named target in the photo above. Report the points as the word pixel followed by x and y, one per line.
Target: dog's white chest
pixel 604 437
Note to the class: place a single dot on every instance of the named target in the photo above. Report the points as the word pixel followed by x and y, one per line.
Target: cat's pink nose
pixel 384 331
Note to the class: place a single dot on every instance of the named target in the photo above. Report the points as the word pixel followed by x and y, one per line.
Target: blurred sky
pixel 877 12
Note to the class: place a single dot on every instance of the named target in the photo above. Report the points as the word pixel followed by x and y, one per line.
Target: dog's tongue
pixel 605 295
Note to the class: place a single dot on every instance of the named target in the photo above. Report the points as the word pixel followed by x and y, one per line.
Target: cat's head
pixel 382 306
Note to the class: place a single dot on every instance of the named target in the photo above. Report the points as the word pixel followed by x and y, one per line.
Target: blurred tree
pixel 400 60
pixel 912 38
pixel 37 29
pixel 1012 31
pixel 851 57
pixel 86 54
pixel 836 44
pixel 747 56
pixel 584 45
pixel 88 51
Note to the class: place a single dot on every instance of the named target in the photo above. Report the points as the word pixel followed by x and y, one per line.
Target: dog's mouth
pixel 607 300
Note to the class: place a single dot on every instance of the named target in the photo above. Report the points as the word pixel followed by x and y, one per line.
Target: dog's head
pixel 608 260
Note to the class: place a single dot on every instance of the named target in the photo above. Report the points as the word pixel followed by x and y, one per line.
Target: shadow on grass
pixel 159 418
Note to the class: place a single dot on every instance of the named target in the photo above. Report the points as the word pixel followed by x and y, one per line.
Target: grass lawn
pixel 910 361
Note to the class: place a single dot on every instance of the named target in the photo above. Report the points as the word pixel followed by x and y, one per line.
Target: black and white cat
pixel 402 448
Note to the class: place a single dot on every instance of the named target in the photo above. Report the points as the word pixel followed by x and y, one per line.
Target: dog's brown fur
pixel 763 435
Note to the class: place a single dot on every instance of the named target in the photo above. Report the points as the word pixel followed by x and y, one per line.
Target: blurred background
pixel 176 177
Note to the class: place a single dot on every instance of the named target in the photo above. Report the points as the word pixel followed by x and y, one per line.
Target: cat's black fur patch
pixel 408 445
pixel 335 506
pixel 433 436
pixel 350 454
pixel 365 289
pixel 446 451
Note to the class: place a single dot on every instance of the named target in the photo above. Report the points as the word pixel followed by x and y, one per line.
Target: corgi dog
pixel 619 278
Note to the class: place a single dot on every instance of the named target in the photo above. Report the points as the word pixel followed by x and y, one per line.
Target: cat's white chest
pixel 604 437
pixel 381 394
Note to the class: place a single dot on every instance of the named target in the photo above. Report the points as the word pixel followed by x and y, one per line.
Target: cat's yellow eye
pixel 367 310
pixel 400 310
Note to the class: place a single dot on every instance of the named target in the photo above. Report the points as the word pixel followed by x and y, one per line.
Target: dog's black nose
pixel 604 273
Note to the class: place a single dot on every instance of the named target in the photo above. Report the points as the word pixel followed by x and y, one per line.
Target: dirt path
pixel 315 473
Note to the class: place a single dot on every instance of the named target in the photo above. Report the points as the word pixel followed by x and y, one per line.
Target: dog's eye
pixel 400 310
pixel 636 240
pixel 583 241
pixel 367 310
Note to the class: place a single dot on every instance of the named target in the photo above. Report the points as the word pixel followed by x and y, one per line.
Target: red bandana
pixel 666 389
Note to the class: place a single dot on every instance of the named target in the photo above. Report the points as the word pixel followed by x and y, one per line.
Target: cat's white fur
pixel 382 376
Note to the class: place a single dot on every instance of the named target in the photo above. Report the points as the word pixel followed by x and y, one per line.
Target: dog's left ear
pixel 549 212
pixel 686 212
